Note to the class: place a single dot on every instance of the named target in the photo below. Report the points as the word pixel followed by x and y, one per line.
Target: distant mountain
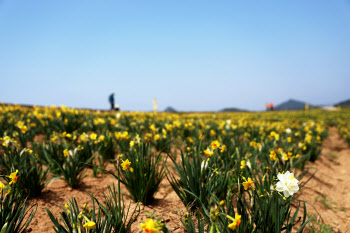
pixel 291 105
pixel 343 104
pixel 170 109
pixel 232 110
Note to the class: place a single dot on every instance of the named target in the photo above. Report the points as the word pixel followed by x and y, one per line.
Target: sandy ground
pixel 328 192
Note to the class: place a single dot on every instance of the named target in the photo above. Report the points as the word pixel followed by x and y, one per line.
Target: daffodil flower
pixel 1 186
pixel 236 221
pixel 89 225
pixel 209 152
pixel 13 176
pixel 126 164
pixel 243 164
pixel 223 148
pixel 248 183
pixel 149 226
pixel 215 144
pixel 287 184
pixel 65 152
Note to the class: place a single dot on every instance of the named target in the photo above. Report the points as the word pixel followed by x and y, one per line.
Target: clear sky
pixel 192 55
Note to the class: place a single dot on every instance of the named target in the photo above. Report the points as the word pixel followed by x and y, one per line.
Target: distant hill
pixel 170 109
pixel 232 110
pixel 343 104
pixel 291 105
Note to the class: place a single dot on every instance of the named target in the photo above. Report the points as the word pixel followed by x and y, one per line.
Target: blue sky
pixel 192 55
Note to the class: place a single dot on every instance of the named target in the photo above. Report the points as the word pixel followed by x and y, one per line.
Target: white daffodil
pixel 204 165
pixel 137 139
pixel 287 184
pixel 288 131
pixel 70 152
pixel 249 164
pixel 228 124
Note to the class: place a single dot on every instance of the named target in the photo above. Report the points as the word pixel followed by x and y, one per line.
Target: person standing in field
pixel 111 101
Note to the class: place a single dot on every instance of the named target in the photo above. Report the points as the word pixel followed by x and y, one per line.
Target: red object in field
pixel 271 106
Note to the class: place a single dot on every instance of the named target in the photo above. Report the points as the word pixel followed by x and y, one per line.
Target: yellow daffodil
pixel 20 124
pixel 248 183
pixel 156 137
pixel 65 152
pixel 236 222
pixel 212 133
pixel 93 136
pixel 13 176
pixel 209 152
pixel 89 225
pixel 153 128
pixel 1 186
pixel 242 164
pixel 149 226
pixel 101 138
pixel 54 139
pixel 84 137
pixel 277 137
pixel 215 144
pixel 272 155
pixel 126 164
pixel 223 148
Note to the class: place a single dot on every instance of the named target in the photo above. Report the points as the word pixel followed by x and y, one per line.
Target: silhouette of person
pixel 111 101
pixel 271 106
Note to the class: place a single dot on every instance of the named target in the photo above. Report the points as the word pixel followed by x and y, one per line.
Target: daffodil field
pixel 234 172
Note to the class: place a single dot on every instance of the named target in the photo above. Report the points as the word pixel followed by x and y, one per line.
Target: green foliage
pixel 253 145
pixel 51 154
pixel 73 166
pixel 316 225
pixel 111 217
pixel 107 148
pixel 32 176
pixel 327 202
pixel 144 175
pixel 199 179
pixel 334 156
pixel 193 226
pixel 16 212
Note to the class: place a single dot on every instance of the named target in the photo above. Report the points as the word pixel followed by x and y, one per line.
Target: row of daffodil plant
pixel 343 124
pixel 113 216
pixel 16 212
pixel 234 171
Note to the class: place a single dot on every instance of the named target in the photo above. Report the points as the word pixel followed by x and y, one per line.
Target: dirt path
pixel 329 189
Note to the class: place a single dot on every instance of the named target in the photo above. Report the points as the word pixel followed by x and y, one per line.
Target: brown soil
pixel 330 183
pixel 329 190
